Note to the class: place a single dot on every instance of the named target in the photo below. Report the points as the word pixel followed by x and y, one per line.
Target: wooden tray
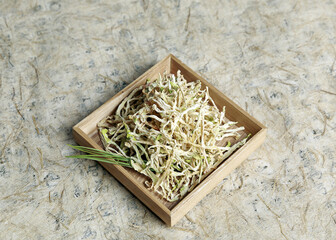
pixel 86 134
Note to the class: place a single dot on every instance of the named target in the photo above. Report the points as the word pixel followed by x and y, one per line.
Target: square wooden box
pixel 86 134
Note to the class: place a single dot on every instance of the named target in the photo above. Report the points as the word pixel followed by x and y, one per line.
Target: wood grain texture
pixel 85 133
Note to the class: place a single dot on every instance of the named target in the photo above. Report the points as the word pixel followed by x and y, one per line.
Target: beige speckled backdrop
pixel 60 60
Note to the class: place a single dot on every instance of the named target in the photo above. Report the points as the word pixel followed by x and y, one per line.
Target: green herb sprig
pixel 101 156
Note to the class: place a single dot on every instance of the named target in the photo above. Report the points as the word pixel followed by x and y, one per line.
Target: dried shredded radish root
pixel 171 130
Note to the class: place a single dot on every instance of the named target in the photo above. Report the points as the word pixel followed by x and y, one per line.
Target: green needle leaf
pixel 101 156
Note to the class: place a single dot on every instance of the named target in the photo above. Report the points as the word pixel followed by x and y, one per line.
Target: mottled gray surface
pixel 61 60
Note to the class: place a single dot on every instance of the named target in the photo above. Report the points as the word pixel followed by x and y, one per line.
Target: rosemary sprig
pixel 101 156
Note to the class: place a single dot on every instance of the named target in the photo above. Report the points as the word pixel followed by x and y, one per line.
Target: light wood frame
pixel 85 134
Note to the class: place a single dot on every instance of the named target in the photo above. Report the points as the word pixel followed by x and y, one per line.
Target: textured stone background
pixel 60 60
